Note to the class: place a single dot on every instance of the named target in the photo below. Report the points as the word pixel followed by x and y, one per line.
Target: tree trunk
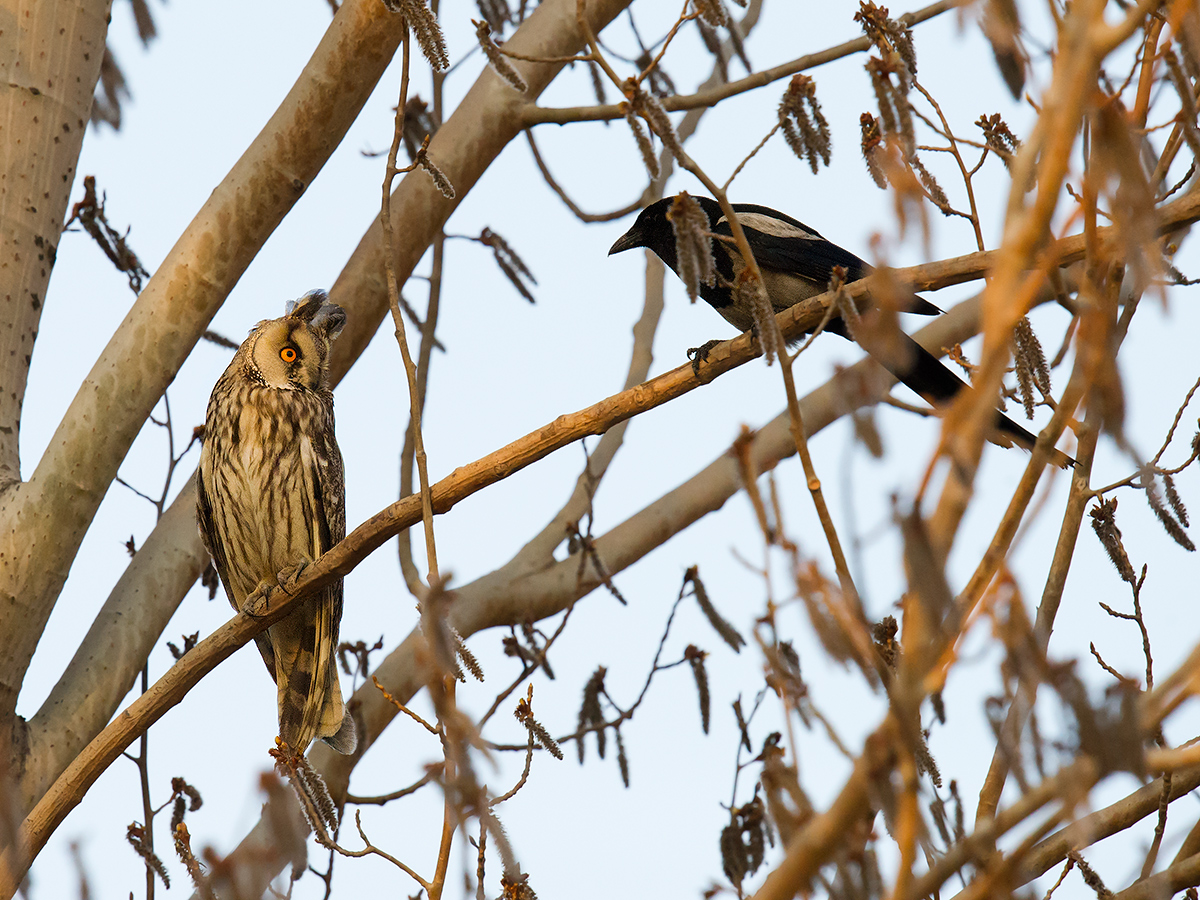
pixel 50 54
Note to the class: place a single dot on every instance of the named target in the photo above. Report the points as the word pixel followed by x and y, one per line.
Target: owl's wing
pixel 216 549
pixel 326 480
pixel 333 499
pixel 208 529
pixel 311 704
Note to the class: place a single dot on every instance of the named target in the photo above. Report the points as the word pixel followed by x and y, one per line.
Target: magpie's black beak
pixel 627 241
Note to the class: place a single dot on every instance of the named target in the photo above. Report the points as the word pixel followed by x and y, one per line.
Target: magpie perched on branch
pixel 796 264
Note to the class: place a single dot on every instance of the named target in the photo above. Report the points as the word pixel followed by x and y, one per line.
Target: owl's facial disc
pixel 288 356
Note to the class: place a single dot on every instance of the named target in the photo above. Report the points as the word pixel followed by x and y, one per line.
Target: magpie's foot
pixel 700 354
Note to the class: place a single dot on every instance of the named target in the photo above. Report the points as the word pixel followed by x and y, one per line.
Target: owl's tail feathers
pixel 301 721
pixel 345 739
pixel 337 725
pixel 310 699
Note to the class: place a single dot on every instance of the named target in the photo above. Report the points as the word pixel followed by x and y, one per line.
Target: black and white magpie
pixel 796 264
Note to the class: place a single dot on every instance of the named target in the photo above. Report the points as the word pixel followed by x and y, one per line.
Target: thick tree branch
pixel 50 55
pixel 116 646
pixel 1095 827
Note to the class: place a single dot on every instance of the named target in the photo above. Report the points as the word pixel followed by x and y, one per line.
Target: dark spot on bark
pixel 37 304
pixel 298 185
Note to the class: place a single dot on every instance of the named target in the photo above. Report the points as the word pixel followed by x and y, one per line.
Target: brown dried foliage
pixel 693 244
pixel 509 261
pixel 591 715
pixel 999 137
pixel 649 157
pixel 744 841
pixel 1104 523
pixel 1031 367
pixel 728 633
pixel 749 293
pixel 803 123
pixel 888 35
pixel 496 59
pixel 89 213
pixel 425 28
pixel 695 658
pixel 873 149
pixel 139 839
pixel 712 12
pixel 1001 25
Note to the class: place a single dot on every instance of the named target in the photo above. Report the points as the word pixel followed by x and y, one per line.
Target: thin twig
pixel 385 220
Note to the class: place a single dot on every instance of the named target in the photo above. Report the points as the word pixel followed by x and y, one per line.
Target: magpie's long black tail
pixel 920 370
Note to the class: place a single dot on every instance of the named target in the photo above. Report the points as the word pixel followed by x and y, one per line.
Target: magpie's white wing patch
pixel 772 226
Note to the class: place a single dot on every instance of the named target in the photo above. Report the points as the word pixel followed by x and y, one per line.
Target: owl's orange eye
pixel 288 354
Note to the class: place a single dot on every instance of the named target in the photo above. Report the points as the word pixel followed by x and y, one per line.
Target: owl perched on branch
pixel 271 500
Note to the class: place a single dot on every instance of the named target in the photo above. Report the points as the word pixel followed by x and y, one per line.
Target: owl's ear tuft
pixel 330 319
pixel 307 306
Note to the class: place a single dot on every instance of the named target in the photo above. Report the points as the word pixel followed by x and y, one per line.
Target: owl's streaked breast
pixel 263 482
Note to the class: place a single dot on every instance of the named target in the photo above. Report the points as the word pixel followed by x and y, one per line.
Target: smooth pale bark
pixel 50 55
pixel 87 695
pixel 112 653
pixel 43 520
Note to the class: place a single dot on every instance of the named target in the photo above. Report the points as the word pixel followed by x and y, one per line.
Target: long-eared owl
pixel 271 499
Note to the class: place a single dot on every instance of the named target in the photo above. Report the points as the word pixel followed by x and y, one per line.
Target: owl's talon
pixel 288 577
pixel 255 604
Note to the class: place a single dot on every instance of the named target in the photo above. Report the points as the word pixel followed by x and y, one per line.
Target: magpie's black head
pixel 653 231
